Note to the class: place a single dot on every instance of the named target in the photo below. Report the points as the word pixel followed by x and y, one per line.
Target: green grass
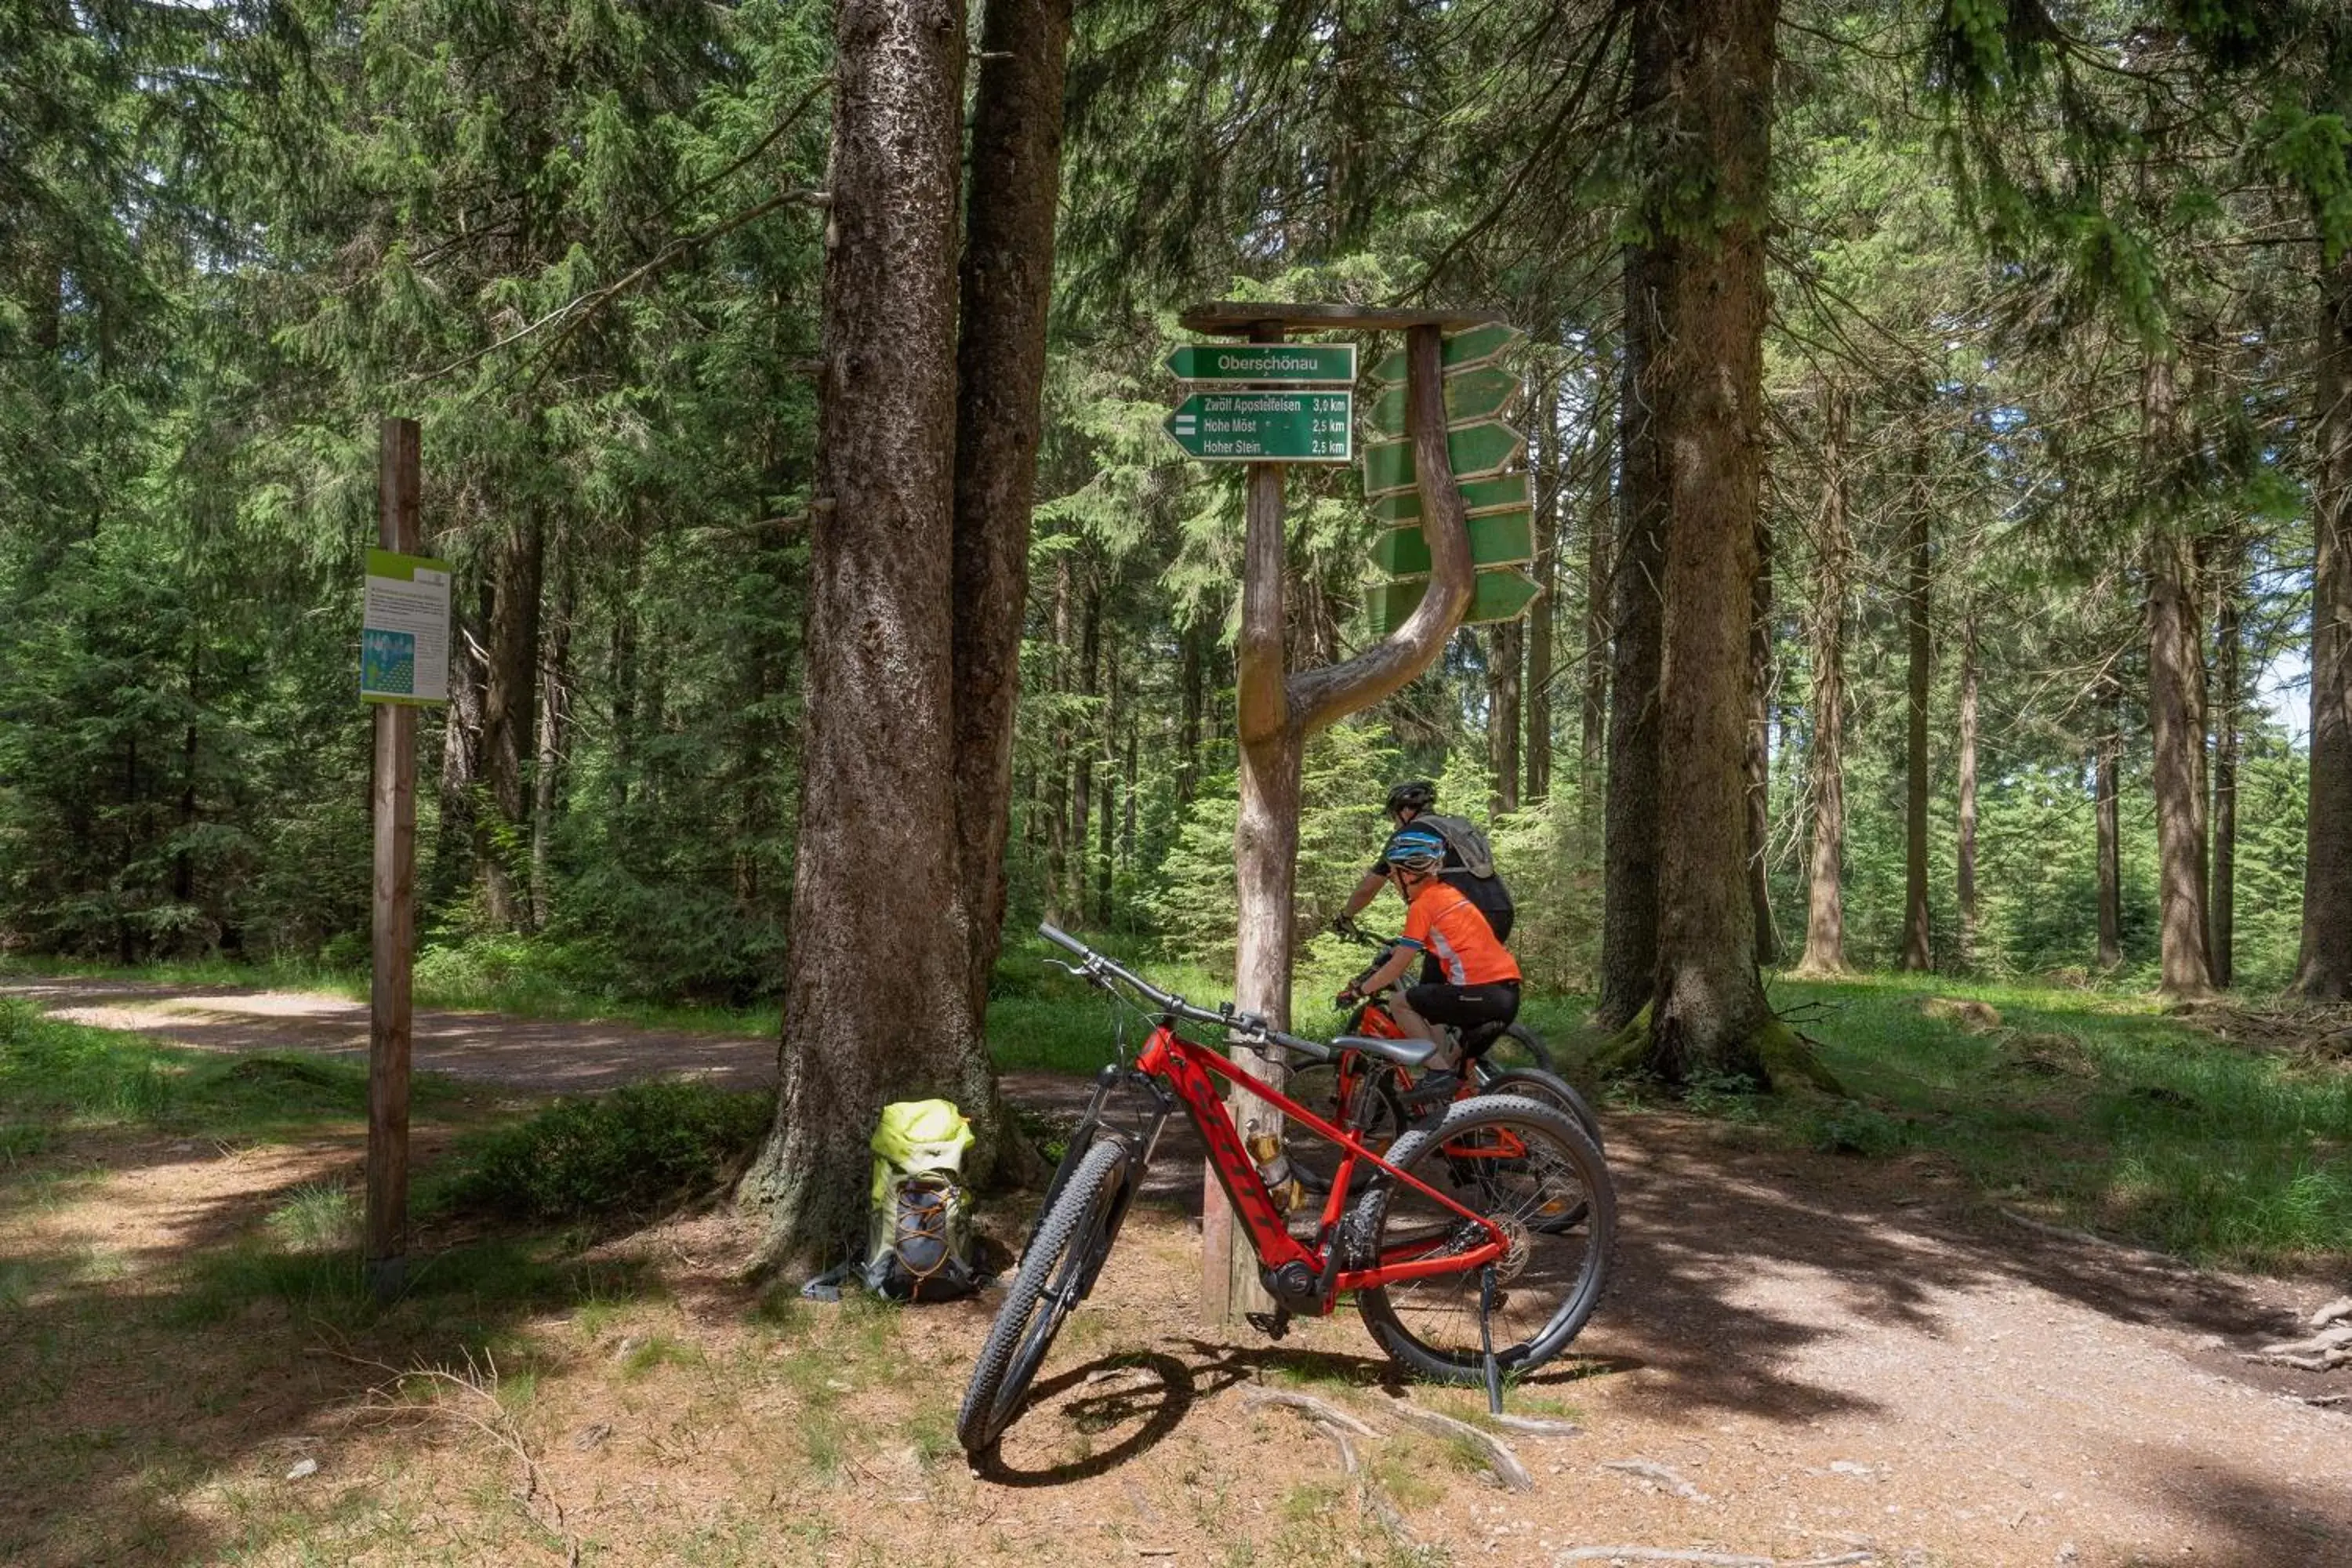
pixel 56 1076
pixel 2090 1107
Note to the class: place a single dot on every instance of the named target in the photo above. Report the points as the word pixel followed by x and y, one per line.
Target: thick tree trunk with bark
pixel 1629 886
pixel 2176 698
pixel 1085 747
pixel 1004 285
pixel 509 689
pixel 1504 654
pixel 1826 893
pixel 1918 951
pixel 2324 969
pixel 1709 1014
pixel 877 1003
pixel 1966 877
pixel 2106 775
pixel 1191 681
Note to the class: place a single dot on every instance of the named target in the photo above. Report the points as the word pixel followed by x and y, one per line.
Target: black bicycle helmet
pixel 1413 794
pixel 1413 848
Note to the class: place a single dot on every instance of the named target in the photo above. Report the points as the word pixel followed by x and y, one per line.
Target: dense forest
pixel 2045 575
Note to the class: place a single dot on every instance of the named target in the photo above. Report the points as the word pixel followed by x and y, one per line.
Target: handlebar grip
pixel 1061 938
pixel 1313 1050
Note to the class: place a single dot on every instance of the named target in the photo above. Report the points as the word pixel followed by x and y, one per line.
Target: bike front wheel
pixel 1531 1169
pixel 1055 1272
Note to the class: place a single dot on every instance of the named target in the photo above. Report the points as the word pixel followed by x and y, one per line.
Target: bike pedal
pixel 1273 1325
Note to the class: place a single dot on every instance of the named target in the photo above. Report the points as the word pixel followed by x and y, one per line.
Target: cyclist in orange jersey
pixel 1478 979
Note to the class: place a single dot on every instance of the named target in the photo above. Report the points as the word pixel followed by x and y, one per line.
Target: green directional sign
pixel 1505 493
pixel 1504 539
pixel 1476 394
pixel 1477 451
pixel 1289 364
pixel 1499 595
pixel 1266 427
pixel 1461 350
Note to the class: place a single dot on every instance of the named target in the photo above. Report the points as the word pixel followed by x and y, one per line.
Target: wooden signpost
pixel 1279 707
pixel 403 661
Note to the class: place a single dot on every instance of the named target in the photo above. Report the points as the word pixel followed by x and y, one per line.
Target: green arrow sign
pixel 1504 539
pixel 1290 364
pixel 1461 350
pixel 1477 450
pixel 1499 595
pixel 1506 493
pixel 1473 395
pixel 1266 427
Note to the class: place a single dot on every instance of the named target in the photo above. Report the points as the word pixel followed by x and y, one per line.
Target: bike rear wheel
pixel 1545 1088
pixel 1055 1272
pixel 1529 1168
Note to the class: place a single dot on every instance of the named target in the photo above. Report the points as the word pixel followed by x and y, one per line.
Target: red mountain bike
pixel 1475 1247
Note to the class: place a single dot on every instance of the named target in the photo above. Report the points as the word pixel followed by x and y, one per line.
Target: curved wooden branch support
pixel 1318 699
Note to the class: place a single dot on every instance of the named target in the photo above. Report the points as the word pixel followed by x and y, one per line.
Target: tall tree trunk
pixel 1917 951
pixel 554 705
pixel 1085 748
pixel 1826 893
pixel 2324 969
pixel 1106 814
pixel 1004 286
pixel 2222 891
pixel 509 694
pixel 2176 664
pixel 1504 654
pixel 1826 761
pixel 1550 481
pixel 2108 783
pixel 877 1001
pixel 1629 883
pixel 1709 1014
pixel 1191 678
pixel 1759 744
pixel 1600 537
pixel 1057 774
pixel 461 754
pixel 1966 877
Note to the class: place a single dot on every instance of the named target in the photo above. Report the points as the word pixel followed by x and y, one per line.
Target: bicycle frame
pixel 1192 1070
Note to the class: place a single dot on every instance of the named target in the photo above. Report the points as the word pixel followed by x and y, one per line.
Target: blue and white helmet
pixel 1413 848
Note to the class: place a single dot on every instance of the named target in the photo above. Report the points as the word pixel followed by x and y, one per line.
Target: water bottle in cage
pixel 1273 1168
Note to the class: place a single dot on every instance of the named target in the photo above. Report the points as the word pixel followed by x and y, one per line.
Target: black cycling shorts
pixel 1466 1006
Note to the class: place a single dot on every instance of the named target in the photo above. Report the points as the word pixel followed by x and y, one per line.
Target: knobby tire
pixel 1060 1263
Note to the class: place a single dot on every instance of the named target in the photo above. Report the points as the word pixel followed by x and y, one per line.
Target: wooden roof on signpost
pixel 1237 317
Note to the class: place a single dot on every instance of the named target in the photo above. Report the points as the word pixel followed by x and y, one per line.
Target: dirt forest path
pixel 1802 1358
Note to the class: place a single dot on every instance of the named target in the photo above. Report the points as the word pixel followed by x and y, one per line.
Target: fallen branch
pixel 1665 1476
pixel 1498 1456
pixel 1316 1409
pixel 498 1426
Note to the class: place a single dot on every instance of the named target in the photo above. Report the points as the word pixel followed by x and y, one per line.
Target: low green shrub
pixel 628 1155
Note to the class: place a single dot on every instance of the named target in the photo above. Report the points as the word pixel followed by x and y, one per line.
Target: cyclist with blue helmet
pixel 1477 980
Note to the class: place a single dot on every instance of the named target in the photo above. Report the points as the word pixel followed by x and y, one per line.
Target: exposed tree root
pixel 1712 1559
pixel 1674 1480
pixel 1316 1409
pixel 1791 1062
pixel 1498 1456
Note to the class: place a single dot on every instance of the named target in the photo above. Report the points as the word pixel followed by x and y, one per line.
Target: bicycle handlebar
pixel 1248 1025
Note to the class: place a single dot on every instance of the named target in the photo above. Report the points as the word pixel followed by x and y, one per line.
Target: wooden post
pixel 394 804
pixel 1277 710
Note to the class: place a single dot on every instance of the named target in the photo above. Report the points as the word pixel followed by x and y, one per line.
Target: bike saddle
pixel 1404 1053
